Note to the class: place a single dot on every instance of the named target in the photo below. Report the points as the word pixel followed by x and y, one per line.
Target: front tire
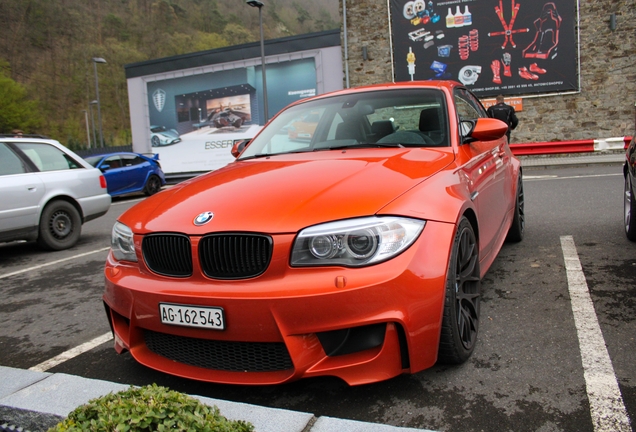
pixel 60 226
pixel 153 185
pixel 518 227
pixel 630 209
pixel 460 324
pixel 155 141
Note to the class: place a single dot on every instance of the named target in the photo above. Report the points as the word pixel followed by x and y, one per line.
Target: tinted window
pixel 9 162
pixel 93 160
pixel 113 162
pixel 468 106
pixel 130 160
pixel 47 157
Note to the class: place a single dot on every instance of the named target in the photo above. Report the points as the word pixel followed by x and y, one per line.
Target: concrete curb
pixel 36 401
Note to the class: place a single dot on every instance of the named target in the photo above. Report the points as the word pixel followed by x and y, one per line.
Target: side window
pixel 470 104
pixel 127 161
pixel 465 109
pixel 9 162
pixel 113 162
pixel 47 157
pixel 468 108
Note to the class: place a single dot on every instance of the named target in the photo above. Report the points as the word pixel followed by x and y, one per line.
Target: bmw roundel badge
pixel 203 218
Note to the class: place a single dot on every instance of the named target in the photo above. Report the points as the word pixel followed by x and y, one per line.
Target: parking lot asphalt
pixel 35 401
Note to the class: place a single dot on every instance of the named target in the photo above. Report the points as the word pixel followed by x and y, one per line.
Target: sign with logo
pixel 508 47
pixel 196 119
pixel 515 102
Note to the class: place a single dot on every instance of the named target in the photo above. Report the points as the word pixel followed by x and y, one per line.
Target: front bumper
pixel 361 325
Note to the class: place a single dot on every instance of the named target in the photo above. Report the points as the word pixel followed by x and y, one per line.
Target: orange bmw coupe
pixel 357 254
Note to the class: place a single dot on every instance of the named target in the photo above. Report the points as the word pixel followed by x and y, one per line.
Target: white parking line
pixel 606 403
pixel 73 352
pixel 52 263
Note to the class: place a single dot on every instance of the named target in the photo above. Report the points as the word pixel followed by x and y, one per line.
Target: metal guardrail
pixel 579 146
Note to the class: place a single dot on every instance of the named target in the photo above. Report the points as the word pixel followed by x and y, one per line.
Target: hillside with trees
pixel 47 78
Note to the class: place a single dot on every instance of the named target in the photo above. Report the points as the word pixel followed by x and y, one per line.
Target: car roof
pixel 44 140
pixel 114 153
pixel 447 85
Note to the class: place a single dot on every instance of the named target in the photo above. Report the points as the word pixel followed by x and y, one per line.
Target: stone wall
pixel 604 108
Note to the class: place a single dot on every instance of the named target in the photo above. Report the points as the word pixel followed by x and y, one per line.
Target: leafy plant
pixel 149 408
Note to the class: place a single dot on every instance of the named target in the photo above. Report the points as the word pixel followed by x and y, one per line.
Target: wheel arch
pixel 66 198
pixel 470 214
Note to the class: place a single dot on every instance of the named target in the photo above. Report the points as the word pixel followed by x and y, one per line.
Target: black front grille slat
pixel 220 355
pixel 168 254
pixel 222 256
pixel 234 256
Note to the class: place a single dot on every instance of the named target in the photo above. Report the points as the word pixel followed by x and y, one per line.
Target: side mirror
pixel 104 167
pixel 483 129
pixel 238 147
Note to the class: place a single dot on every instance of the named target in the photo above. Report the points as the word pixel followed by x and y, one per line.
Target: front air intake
pixel 220 355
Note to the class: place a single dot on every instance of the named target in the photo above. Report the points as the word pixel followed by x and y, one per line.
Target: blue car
pixel 129 172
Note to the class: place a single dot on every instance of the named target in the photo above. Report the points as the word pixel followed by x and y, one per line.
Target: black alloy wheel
pixel 153 185
pixel 630 209
pixel 460 324
pixel 518 226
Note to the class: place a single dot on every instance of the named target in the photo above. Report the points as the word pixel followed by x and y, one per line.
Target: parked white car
pixel 47 192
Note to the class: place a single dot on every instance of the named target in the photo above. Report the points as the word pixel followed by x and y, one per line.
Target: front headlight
pixel 122 244
pixel 355 242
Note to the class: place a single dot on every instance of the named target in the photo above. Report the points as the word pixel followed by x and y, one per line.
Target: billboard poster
pixel 509 47
pixel 195 120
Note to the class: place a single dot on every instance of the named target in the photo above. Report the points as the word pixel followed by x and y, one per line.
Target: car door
pixel 135 169
pixel 21 191
pixel 115 174
pixel 486 171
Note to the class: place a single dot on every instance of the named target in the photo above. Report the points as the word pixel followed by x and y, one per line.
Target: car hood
pixel 286 193
pixel 168 134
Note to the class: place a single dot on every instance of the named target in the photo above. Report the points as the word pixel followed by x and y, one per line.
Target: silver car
pixel 47 192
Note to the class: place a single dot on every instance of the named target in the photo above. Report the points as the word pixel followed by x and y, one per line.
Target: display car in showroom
pixel 629 171
pixel 162 136
pixel 47 192
pixel 128 173
pixel 357 254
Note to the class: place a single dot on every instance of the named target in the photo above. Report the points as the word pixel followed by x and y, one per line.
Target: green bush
pixel 149 408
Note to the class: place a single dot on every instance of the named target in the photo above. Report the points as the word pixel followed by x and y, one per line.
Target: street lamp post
pixel 99 110
pixel 88 133
pixel 93 121
pixel 259 5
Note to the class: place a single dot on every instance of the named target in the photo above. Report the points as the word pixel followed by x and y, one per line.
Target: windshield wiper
pixel 360 145
pixel 263 155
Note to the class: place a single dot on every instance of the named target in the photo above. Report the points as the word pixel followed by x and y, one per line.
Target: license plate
pixel 192 316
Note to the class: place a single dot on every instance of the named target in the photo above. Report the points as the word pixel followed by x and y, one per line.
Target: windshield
pixel 385 118
pixel 93 160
